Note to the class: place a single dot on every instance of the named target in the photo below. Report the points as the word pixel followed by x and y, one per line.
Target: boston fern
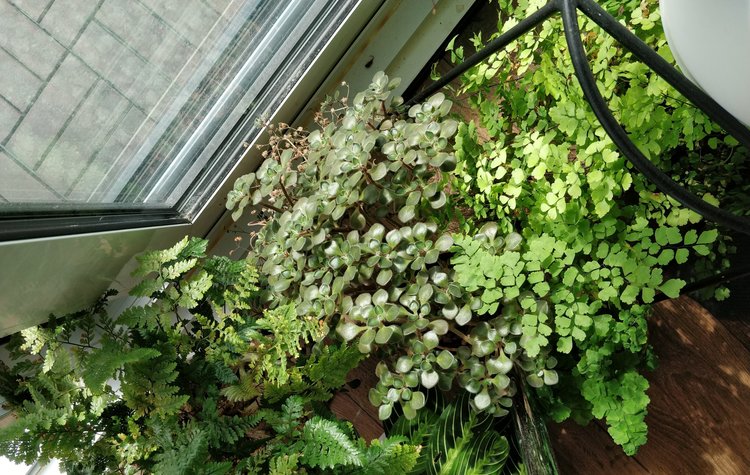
pixel 196 379
pixel 596 242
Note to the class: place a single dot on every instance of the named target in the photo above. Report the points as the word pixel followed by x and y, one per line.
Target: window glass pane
pixel 123 102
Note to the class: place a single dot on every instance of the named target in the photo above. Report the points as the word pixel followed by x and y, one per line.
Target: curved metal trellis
pixel 569 10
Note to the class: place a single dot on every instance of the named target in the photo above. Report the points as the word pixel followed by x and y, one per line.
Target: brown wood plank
pixel 354 405
pixel 740 329
pixel 699 417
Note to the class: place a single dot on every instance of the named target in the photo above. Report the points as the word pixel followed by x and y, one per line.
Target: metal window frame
pixel 44 270
pixel 34 221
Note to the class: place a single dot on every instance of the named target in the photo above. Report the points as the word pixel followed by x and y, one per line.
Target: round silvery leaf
pixel 482 348
pixel 425 293
pixel 371 194
pixel 383 335
pixel 384 276
pixel 419 231
pixel 393 394
pixel 489 230
pixel 375 397
pixel 348 331
pixel 443 298
pixel 393 238
pixel 482 400
pixel 417 264
pixel 318 237
pixel 364 348
pixel 409 411
pixel 413 198
pixel 450 311
pixel 445 359
pixel 464 315
pixel 329 306
pixel 385 262
pixel 439 278
pixel 501 381
pixel 406 214
pixel 411 379
pixel 444 108
pixel 449 164
pixel 416 345
pixel 392 312
pixel 534 381
pixel 384 411
pixel 439 326
pixel 311 293
pixel 418 400
pixel 368 336
pixel 513 241
pixel 438 159
pixel 372 261
pixel 376 232
pixel 363 299
pixel 429 379
pixel 338 286
pixel 404 364
pixel 494 366
pixel 443 243
pixel 550 377
pixel 281 285
pixel 436 100
pixel 431 256
pixel 473 386
pixel 430 340
pixel 380 297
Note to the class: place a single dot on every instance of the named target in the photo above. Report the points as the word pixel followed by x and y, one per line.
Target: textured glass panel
pixel 120 103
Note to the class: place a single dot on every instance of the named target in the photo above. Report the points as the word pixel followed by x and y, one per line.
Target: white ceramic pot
pixel 710 40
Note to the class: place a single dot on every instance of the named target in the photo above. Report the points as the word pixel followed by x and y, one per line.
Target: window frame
pixel 105 243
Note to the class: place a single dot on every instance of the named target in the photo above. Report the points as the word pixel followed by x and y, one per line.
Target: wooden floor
pixel 354 406
pixel 699 416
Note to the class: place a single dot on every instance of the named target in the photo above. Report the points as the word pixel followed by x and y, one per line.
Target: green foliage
pixel 325 445
pixel 199 378
pixel 589 243
pixel 457 440
pixel 354 233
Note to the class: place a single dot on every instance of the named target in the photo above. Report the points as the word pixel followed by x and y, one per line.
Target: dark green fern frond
pixel 186 455
pixel 288 418
pixel 223 431
pixel 325 445
pixel 332 364
pixel 285 465
pixel 389 456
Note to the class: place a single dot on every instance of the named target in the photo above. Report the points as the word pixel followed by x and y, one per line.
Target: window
pixel 117 105
pixel 121 187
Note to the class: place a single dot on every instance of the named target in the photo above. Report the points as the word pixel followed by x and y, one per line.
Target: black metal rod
pixel 495 45
pixel 668 72
pixel 620 137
